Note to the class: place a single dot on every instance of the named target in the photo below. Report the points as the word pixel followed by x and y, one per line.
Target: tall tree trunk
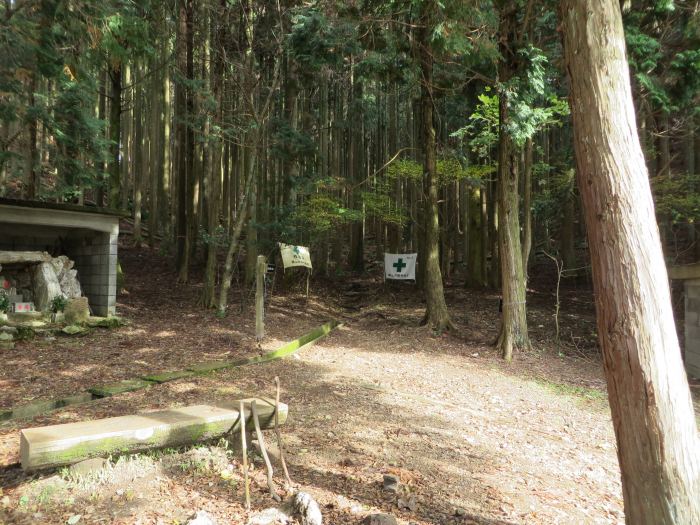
pixel 156 151
pixel 356 167
pixel 181 143
pixel 190 149
pixel 214 197
pixel 567 231
pixel 513 333
pixel 527 205
pixel 652 412
pixel 32 160
pixel 436 314
pixel 115 110
pixel 138 149
pixel 237 229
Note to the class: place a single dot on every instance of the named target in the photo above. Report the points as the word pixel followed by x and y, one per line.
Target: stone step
pixel 69 443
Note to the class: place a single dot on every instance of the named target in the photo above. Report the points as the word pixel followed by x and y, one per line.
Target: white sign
pixel 400 265
pixel 295 256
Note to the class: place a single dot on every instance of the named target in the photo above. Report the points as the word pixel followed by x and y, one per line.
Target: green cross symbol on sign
pixel 296 250
pixel 399 265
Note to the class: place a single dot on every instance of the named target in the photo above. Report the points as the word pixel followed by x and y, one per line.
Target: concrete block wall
pixel 692 327
pixel 96 261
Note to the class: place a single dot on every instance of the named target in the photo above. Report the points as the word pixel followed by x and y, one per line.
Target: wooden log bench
pixel 56 445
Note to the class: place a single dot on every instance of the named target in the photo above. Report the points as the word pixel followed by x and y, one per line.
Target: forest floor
pixel 472 439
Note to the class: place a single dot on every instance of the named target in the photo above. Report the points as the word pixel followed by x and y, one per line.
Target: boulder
pixel 307 509
pixel 379 519
pixel 46 285
pixel 70 286
pixel 74 329
pixel 202 518
pixel 271 516
pixel 76 311
pixel 391 483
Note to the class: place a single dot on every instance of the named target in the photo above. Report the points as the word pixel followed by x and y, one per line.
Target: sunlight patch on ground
pixel 147 350
pixel 223 331
pixel 133 331
pixel 77 370
pixel 181 388
pixel 165 333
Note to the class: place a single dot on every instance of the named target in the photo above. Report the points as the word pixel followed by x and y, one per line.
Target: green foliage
pixel 289 143
pixel 315 40
pixel 382 205
pixel 532 105
pixel 4 302
pixel 555 186
pixel 405 169
pixel 483 125
pixel 218 238
pixel 678 197
pixel 58 304
pixel 321 212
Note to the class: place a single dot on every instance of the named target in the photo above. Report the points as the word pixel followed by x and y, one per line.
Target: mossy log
pixel 69 443
pixel 128 385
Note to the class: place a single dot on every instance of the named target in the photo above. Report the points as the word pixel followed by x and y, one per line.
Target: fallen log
pixel 69 443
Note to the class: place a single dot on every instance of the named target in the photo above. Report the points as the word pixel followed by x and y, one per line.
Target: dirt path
pixel 473 440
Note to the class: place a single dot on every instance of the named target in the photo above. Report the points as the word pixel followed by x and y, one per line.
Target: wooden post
pixel 308 277
pixel 260 270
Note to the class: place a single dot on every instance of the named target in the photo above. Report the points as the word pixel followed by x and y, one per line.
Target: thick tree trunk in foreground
pixel 652 412
pixel 513 321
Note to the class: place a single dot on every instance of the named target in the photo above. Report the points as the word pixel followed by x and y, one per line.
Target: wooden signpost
pixel 260 269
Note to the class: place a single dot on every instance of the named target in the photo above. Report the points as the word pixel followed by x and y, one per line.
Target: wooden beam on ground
pixel 57 445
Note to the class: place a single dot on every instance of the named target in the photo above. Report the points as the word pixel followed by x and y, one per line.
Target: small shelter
pixel 86 235
pixel 690 275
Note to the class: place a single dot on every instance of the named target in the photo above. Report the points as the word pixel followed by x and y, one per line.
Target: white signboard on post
pixel 295 255
pixel 400 265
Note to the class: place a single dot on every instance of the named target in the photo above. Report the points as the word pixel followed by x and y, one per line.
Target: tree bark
pixel 527 205
pixel 115 110
pixel 181 143
pixel 436 314
pixel 657 438
pixel 513 333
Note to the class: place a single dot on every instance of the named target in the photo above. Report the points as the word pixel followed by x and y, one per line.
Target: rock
pixel 5 336
pixel 6 345
pixel 74 329
pixel 307 509
pixel 202 517
pixel 46 285
pixel 460 512
pixel 105 322
pixel 271 516
pixel 77 310
pixel 8 329
pixel 70 286
pixel 88 466
pixel 407 503
pixel 379 519
pixel 391 483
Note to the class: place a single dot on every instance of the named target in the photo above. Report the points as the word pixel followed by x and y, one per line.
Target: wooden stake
pixel 244 449
pixel 260 269
pixel 279 434
pixel 261 441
